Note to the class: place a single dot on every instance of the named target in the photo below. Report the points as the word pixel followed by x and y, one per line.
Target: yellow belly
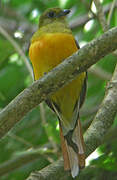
pixel 48 51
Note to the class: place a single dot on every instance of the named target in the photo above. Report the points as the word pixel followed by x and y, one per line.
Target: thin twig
pixel 18 49
pixel 101 16
pixel 111 12
pixel 99 72
pixel 19 139
pixel 44 123
pixel 102 19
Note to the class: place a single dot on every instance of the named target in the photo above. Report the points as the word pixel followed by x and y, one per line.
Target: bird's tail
pixel 73 149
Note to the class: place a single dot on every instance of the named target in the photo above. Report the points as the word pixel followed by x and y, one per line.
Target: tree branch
pixel 23 159
pixel 53 171
pixel 65 72
pixel 101 16
pixel 104 117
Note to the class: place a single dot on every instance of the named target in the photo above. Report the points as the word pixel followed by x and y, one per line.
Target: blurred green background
pixel 34 142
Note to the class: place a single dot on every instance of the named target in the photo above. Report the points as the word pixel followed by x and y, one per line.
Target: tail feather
pixel 77 138
pixel 73 160
pixel 64 151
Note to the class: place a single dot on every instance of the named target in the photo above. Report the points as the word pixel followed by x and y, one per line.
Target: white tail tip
pixel 75 171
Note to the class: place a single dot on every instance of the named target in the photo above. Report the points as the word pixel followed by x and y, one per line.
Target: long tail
pixel 73 149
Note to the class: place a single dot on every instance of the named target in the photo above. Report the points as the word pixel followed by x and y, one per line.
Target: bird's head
pixel 53 15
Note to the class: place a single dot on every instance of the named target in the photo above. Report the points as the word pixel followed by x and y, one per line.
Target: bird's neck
pixel 55 27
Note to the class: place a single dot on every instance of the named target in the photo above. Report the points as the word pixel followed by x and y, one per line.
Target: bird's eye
pixel 51 14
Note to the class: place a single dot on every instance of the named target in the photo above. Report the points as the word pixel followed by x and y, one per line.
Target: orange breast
pixel 49 50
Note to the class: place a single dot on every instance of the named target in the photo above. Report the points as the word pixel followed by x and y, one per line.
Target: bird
pixel 51 44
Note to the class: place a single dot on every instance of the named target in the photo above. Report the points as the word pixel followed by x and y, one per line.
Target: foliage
pixel 39 129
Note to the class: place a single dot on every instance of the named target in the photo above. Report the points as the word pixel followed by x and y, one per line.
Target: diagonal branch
pixel 101 16
pixel 53 171
pixel 23 159
pixel 104 117
pixel 65 72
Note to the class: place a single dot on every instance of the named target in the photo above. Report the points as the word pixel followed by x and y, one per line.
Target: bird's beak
pixel 64 12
